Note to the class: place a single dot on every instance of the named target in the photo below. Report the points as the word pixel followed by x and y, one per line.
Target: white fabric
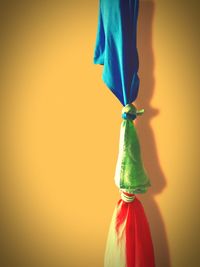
pixel 115 254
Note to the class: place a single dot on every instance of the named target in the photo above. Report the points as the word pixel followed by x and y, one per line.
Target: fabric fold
pixel 115 47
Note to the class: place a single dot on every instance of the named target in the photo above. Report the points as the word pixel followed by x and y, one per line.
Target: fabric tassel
pixel 129 241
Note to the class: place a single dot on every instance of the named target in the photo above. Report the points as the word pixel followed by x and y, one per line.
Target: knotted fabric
pixel 130 174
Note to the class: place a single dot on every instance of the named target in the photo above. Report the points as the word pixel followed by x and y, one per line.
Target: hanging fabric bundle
pixel 129 241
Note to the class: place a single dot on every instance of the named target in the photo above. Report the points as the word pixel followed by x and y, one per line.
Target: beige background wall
pixel 60 130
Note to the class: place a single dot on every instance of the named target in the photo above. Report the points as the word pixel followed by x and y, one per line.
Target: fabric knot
pixel 129 112
pixel 126 197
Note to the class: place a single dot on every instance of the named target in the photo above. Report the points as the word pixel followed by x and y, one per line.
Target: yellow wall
pixel 60 131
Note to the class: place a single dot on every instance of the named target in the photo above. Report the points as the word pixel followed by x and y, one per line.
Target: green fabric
pixel 130 173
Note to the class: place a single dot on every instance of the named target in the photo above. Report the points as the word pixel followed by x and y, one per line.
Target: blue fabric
pixel 127 116
pixel 116 47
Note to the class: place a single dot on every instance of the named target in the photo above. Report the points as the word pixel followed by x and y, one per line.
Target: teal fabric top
pixel 116 47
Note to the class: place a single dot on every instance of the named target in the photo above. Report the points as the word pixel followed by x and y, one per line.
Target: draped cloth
pixel 116 47
pixel 129 241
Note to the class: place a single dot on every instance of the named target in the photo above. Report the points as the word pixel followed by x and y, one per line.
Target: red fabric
pixel 139 247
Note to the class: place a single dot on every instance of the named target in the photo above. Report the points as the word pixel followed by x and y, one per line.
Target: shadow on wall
pixel 150 155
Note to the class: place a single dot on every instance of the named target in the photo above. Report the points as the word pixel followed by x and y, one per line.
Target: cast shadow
pixel 146 135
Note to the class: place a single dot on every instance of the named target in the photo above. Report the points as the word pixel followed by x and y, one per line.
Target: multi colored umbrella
pixel 129 241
